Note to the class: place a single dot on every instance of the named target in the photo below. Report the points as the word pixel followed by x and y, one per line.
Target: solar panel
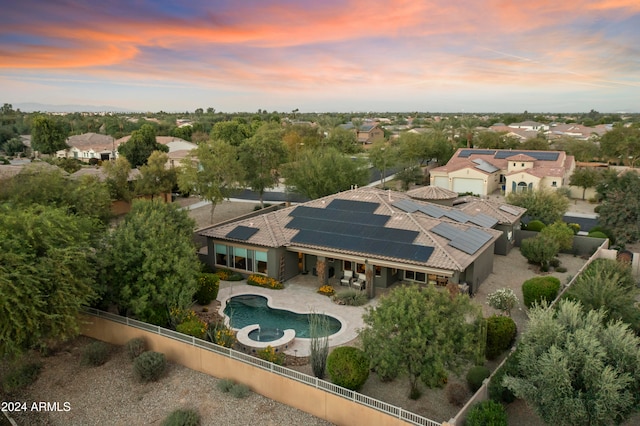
pixel 470 241
pixel 339 215
pixel 485 167
pixel 538 155
pixel 353 229
pixel 458 216
pixel 509 210
pixel 406 205
pixel 431 210
pixel 446 231
pixel 393 249
pixel 465 153
pixel 484 220
pixel 242 233
pixel 353 206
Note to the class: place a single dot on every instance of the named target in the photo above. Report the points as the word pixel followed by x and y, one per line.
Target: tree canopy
pixel 48 135
pixel 149 262
pixel 140 146
pixel 586 177
pixel 421 332
pixel 622 143
pixel 155 178
pixel 47 273
pixel 318 173
pixel 574 369
pixel 545 205
pixel 620 209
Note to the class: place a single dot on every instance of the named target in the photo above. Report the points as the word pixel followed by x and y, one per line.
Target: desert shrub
pixel 135 347
pixel 183 417
pixel 575 227
pixel 456 394
pixel 540 249
pixel 225 385
pixel 555 262
pixel 193 327
pixel 476 375
pixel 537 289
pixel 605 231
pixel 610 269
pixel 266 282
pixel 561 269
pixel 351 297
pixel 536 226
pixel 503 299
pixel 21 377
pixel 327 290
pixel 208 286
pixel 497 391
pixel 501 333
pixel 487 413
pixel 240 390
pixel 220 334
pixel 95 354
pixel 561 233
pixel 348 367
pixel 149 366
pixel 271 355
pixel 597 234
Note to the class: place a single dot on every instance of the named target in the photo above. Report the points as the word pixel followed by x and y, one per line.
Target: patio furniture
pixel 359 283
pixel 346 279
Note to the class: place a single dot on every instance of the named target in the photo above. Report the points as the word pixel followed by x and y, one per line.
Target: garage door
pixel 441 182
pixel 462 185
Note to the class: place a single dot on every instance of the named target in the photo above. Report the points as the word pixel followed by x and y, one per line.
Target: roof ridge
pixel 427 233
pixel 269 230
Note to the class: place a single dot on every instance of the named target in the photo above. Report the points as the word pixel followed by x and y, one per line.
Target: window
pixel 554 184
pixel 415 276
pixel 261 262
pixel 241 258
pixel 378 271
pixel 522 165
pixel 221 254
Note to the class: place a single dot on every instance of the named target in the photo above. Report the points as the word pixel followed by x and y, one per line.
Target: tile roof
pixel 501 211
pixel 92 141
pixel 273 232
pixel 431 193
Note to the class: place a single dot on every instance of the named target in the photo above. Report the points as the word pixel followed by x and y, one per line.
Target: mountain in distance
pixel 34 106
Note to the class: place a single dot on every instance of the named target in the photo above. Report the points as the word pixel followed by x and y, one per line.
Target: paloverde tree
pixel 421 332
pixel 47 272
pixel 318 173
pixel 150 265
pixel 211 171
pixel 261 157
pixel 574 369
pixel 140 146
pixel 48 135
pixel 543 204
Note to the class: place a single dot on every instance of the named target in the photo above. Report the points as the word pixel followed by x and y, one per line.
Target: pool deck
pixel 299 295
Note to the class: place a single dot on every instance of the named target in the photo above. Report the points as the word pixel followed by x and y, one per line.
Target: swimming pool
pixel 251 309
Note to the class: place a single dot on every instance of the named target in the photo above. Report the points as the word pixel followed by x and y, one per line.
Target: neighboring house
pixel 520 134
pixel 366 133
pixel 86 146
pixel 530 125
pixel 178 148
pixel 484 171
pixel 578 131
pixel 384 236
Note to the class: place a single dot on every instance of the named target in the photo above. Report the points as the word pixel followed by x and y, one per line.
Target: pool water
pixel 252 309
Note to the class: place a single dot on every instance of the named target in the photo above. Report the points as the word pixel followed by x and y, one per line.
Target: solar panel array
pixel 509 210
pixel 466 153
pixel 484 166
pixel 502 154
pixel 352 226
pixel 469 240
pixel 242 233
pixel 437 212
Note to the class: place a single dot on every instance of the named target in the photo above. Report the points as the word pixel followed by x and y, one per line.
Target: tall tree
pixel 261 157
pixel 318 173
pixel 421 332
pixel 545 205
pixel 232 132
pixel 155 178
pixel 48 135
pixel 344 140
pixel 150 265
pixel 212 171
pixel 382 156
pixel 117 180
pixel 46 274
pixel 575 370
pixel 622 143
pixel 140 146
pixel 585 177
pixel 620 209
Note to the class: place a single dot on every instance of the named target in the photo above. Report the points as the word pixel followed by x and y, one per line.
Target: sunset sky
pixel 329 55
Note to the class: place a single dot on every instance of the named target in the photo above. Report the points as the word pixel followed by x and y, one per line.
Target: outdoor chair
pixel 359 283
pixel 346 279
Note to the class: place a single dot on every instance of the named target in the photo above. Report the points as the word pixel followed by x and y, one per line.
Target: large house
pixel 379 236
pixel 483 171
pixel 366 133
pixel 89 146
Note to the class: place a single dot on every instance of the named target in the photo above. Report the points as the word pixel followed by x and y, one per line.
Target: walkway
pixel 299 295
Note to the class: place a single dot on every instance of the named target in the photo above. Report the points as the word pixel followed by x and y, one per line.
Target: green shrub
pixel 536 226
pixel 271 355
pixel 95 354
pixel 225 385
pixel 193 327
pixel 537 289
pixel 149 366
pixel 561 269
pixel 456 394
pixel 612 269
pixel 605 231
pixel 21 377
pixel 561 233
pixel 597 234
pixel 135 347
pixel 501 333
pixel 540 249
pixel 240 390
pixel 183 417
pixel 476 375
pixel 208 286
pixel 555 262
pixel 575 227
pixel 487 413
pixel 351 297
pixel 348 367
pixel 228 275
pixel 497 391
